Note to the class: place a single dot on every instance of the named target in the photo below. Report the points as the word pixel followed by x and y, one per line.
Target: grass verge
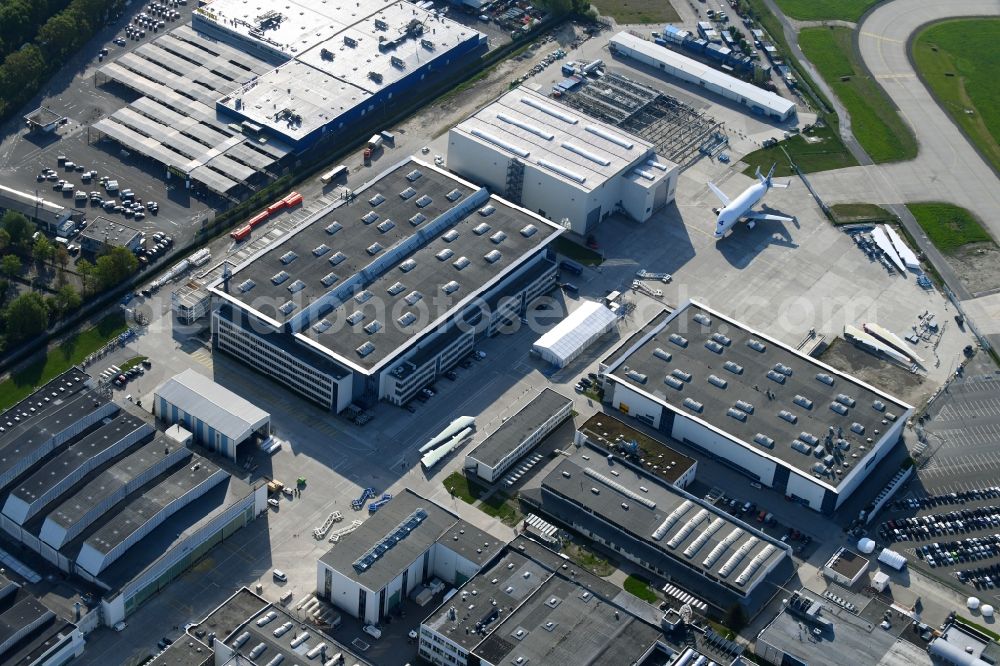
pixel 458 485
pixel 958 60
pixel 825 10
pixel 875 121
pixel 588 559
pixel 640 588
pixel 60 359
pixel 948 226
pixel 502 506
pixel 132 362
pixel 860 212
pixel 638 11
pixel 577 252
pixel 978 627
pixel 722 630
pixel 818 149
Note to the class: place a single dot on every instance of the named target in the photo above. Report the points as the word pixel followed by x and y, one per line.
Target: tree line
pixel 28 314
pixel 37 37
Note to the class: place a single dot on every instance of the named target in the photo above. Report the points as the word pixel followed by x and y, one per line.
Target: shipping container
pixel 257 219
pixel 240 233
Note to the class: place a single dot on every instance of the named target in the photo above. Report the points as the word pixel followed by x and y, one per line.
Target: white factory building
pixel 758 100
pixel 558 163
pixel 779 416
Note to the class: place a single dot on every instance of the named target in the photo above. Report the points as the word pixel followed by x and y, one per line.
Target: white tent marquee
pixel 567 339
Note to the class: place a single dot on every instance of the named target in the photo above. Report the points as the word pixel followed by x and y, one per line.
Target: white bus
pixel 333 174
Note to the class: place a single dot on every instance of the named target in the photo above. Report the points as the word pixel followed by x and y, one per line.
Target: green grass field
pixel 958 60
pixel 640 588
pixel 638 11
pixel 59 360
pixel 825 10
pixel 860 212
pixel 949 227
pixel 821 152
pixel 875 122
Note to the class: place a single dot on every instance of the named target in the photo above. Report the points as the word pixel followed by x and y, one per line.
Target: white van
pixel 280 575
pixel 373 631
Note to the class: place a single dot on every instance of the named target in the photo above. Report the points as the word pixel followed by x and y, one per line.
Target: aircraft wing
pixel 767 217
pixel 719 193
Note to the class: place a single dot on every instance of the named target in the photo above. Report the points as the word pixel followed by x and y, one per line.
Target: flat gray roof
pixel 70 460
pixel 691 532
pixel 325 271
pixel 185 651
pixel 742 365
pixel 23 419
pixel 109 232
pixel 437 524
pixel 25 611
pixel 519 427
pixel 215 405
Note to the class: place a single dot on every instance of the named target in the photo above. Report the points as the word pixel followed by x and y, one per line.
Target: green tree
pixel 86 271
pixel 67 299
pixel 10 265
pixel 17 227
pixel 21 74
pixel 43 250
pixel 113 267
pixel 4 239
pixel 27 316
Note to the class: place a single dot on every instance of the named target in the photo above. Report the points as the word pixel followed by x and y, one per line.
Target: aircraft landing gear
pixel 751 224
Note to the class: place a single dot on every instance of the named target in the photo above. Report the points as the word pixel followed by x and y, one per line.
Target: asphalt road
pixel 947 167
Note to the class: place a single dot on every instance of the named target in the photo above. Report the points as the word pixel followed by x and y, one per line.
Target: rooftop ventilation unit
pixel 878 406
pixel 365 349
pixel 763 440
pixel 636 376
pixel 608 136
pixel 744 406
pixel 407 319
pixel 721 547
pixel 454 195
pixel 498 237
pixel 783 369
pixel 369 217
pixel 857 428
pixel 373 327
pixel 755 564
pixel 322 326
pixel 450 236
pixel 734 368
pixel 257 650
pixel 450 287
pixel 738 556
pixel 408 193
pixel 486 211
pixel 712 345
pixel 681 375
pixel 756 345
pixel 801 447
pixel 398 63
pixel 678 340
pixel 334 227
pixel 288 257
pixel 496 141
pixel 408 265
pixel 845 400
pixel 614 485
pixel 247 285
pixel 241 639
pixel 412 297
pixel 582 152
pixel 279 277
pixel 418 219
pixel 673 382
pixel 337 258
pixel 550 110
pixel 266 618
pixel 529 230
pixel 355 317
pixel 662 355
pixel 350 41
pixel 671 520
pixel 717 381
pixel 788 416
pixel 537 131
pixel 776 376
pixel 386 226
pixel 329 279
pixel 445 254
pixel 693 405
pixel 481 229
pixel 413 175
pixel 702 318
pixel 321 249
pixel 803 401
pixel 377 199
pixel 685 531
pixel 296 286
pixel 737 414
pixel 375 76
pixel 461 263
pixel 492 256
pixel 363 296
pixel 396 288
pixel 809 438
pixel 825 378
pixel 562 171
pixel 722 339
pixel 839 408
pixel 287 307
pixel 282 630
pixel 703 538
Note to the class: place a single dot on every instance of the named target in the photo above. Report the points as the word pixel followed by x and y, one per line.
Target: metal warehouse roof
pixel 215 405
pixel 578 149
pixel 575 331
pixel 706 73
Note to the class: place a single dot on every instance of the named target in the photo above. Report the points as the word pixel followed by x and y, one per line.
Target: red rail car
pixel 241 233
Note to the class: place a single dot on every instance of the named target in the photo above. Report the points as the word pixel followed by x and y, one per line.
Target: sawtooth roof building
pixel 374 296
pixel 785 419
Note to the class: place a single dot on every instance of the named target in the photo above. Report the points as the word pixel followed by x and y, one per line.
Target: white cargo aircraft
pixel 741 207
